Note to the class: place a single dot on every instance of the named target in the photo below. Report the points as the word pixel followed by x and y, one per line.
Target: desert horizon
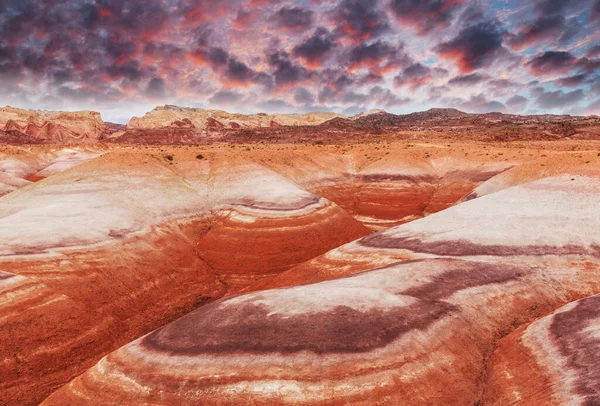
pixel 299 202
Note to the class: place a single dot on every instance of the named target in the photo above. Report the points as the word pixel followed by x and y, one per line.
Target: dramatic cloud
pixel 285 70
pixel 360 20
pixel 425 16
pixel 572 81
pixel 556 20
pixel 516 104
pixel 468 80
pixel 480 104
pixel 415 75
pixel 121 56
pixel 552 61
pixel 294 18
pixel 557 99
pixel 314 49
pixel 379 56
pixel 475 46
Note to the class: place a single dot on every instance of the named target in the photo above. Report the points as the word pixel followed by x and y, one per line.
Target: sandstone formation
pixel 104 252
pixel 20 167
pixel 412 317
pixel 552 361
pixel 53 126
pixel 388 186
pixel 187 117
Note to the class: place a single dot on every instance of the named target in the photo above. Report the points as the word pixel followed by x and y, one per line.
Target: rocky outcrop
pixel 412 318
pixel 165 116
pixel 100 254
pixel 54 126
pixel 20 167
pixel 553 361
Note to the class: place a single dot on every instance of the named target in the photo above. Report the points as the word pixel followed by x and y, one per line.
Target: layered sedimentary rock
pixel 53 126
pixel 20 167
pixel 553 361
pixel 100 254
pixel 412 318
pixel 194 118
pixel 387 186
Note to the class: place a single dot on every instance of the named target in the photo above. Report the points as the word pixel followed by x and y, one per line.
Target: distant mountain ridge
pixel 175 117
pixel 186 125
pixel 52 126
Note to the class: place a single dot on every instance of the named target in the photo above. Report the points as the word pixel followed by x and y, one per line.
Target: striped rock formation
pixel 390 186
pixel 411 319
pixel 102 253
pixel 19 167
pixel 553 361
pixel 195 118
pixel 54 126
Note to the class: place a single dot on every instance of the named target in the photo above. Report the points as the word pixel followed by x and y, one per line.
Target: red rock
pixel 412 320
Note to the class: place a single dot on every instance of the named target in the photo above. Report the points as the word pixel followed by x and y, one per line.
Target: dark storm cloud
pixel 552 23
pixel 369 78
pixel 559 62
pixel 415 75
pixel 360 20
pixel 379 56
pixel 480 104
pixel 232 72
pixel 556 99
pixel 475 46
pixel 552 61
pixel 517 103
pixel 226 97
pixel 314 49
pixel 593 52
pixel 595 15
pixel 386 98
pixel 546 27
pixel 285 70
pixel 156 88
pixel 303 96
pixel 425 16
pixel 554 6
pixel 294 18
pixel 468 80
pixel 572 81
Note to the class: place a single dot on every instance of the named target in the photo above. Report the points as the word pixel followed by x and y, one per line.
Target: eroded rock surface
pixel 412 318
pixel 53 126
pixel 194 118
pixel 106 251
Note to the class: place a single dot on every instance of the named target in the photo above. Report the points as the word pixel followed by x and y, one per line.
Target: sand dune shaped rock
pixel 552 361
pixel 412 320
pixel 20 167
pixel 89 237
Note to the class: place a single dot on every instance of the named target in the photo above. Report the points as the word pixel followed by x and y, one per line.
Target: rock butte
pixel 53 126
pixel 185 117
pixel 416 315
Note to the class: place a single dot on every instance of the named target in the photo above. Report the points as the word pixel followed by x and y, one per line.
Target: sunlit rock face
pixel 412 317
pixel 20 167
pixel 200 119
pixel 54 126
pixel 99 254
pixel 384 186
pixel 553 361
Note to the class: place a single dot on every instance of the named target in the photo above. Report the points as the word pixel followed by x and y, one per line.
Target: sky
pixel 123 57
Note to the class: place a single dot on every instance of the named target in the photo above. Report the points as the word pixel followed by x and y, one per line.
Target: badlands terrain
pixel 200 257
